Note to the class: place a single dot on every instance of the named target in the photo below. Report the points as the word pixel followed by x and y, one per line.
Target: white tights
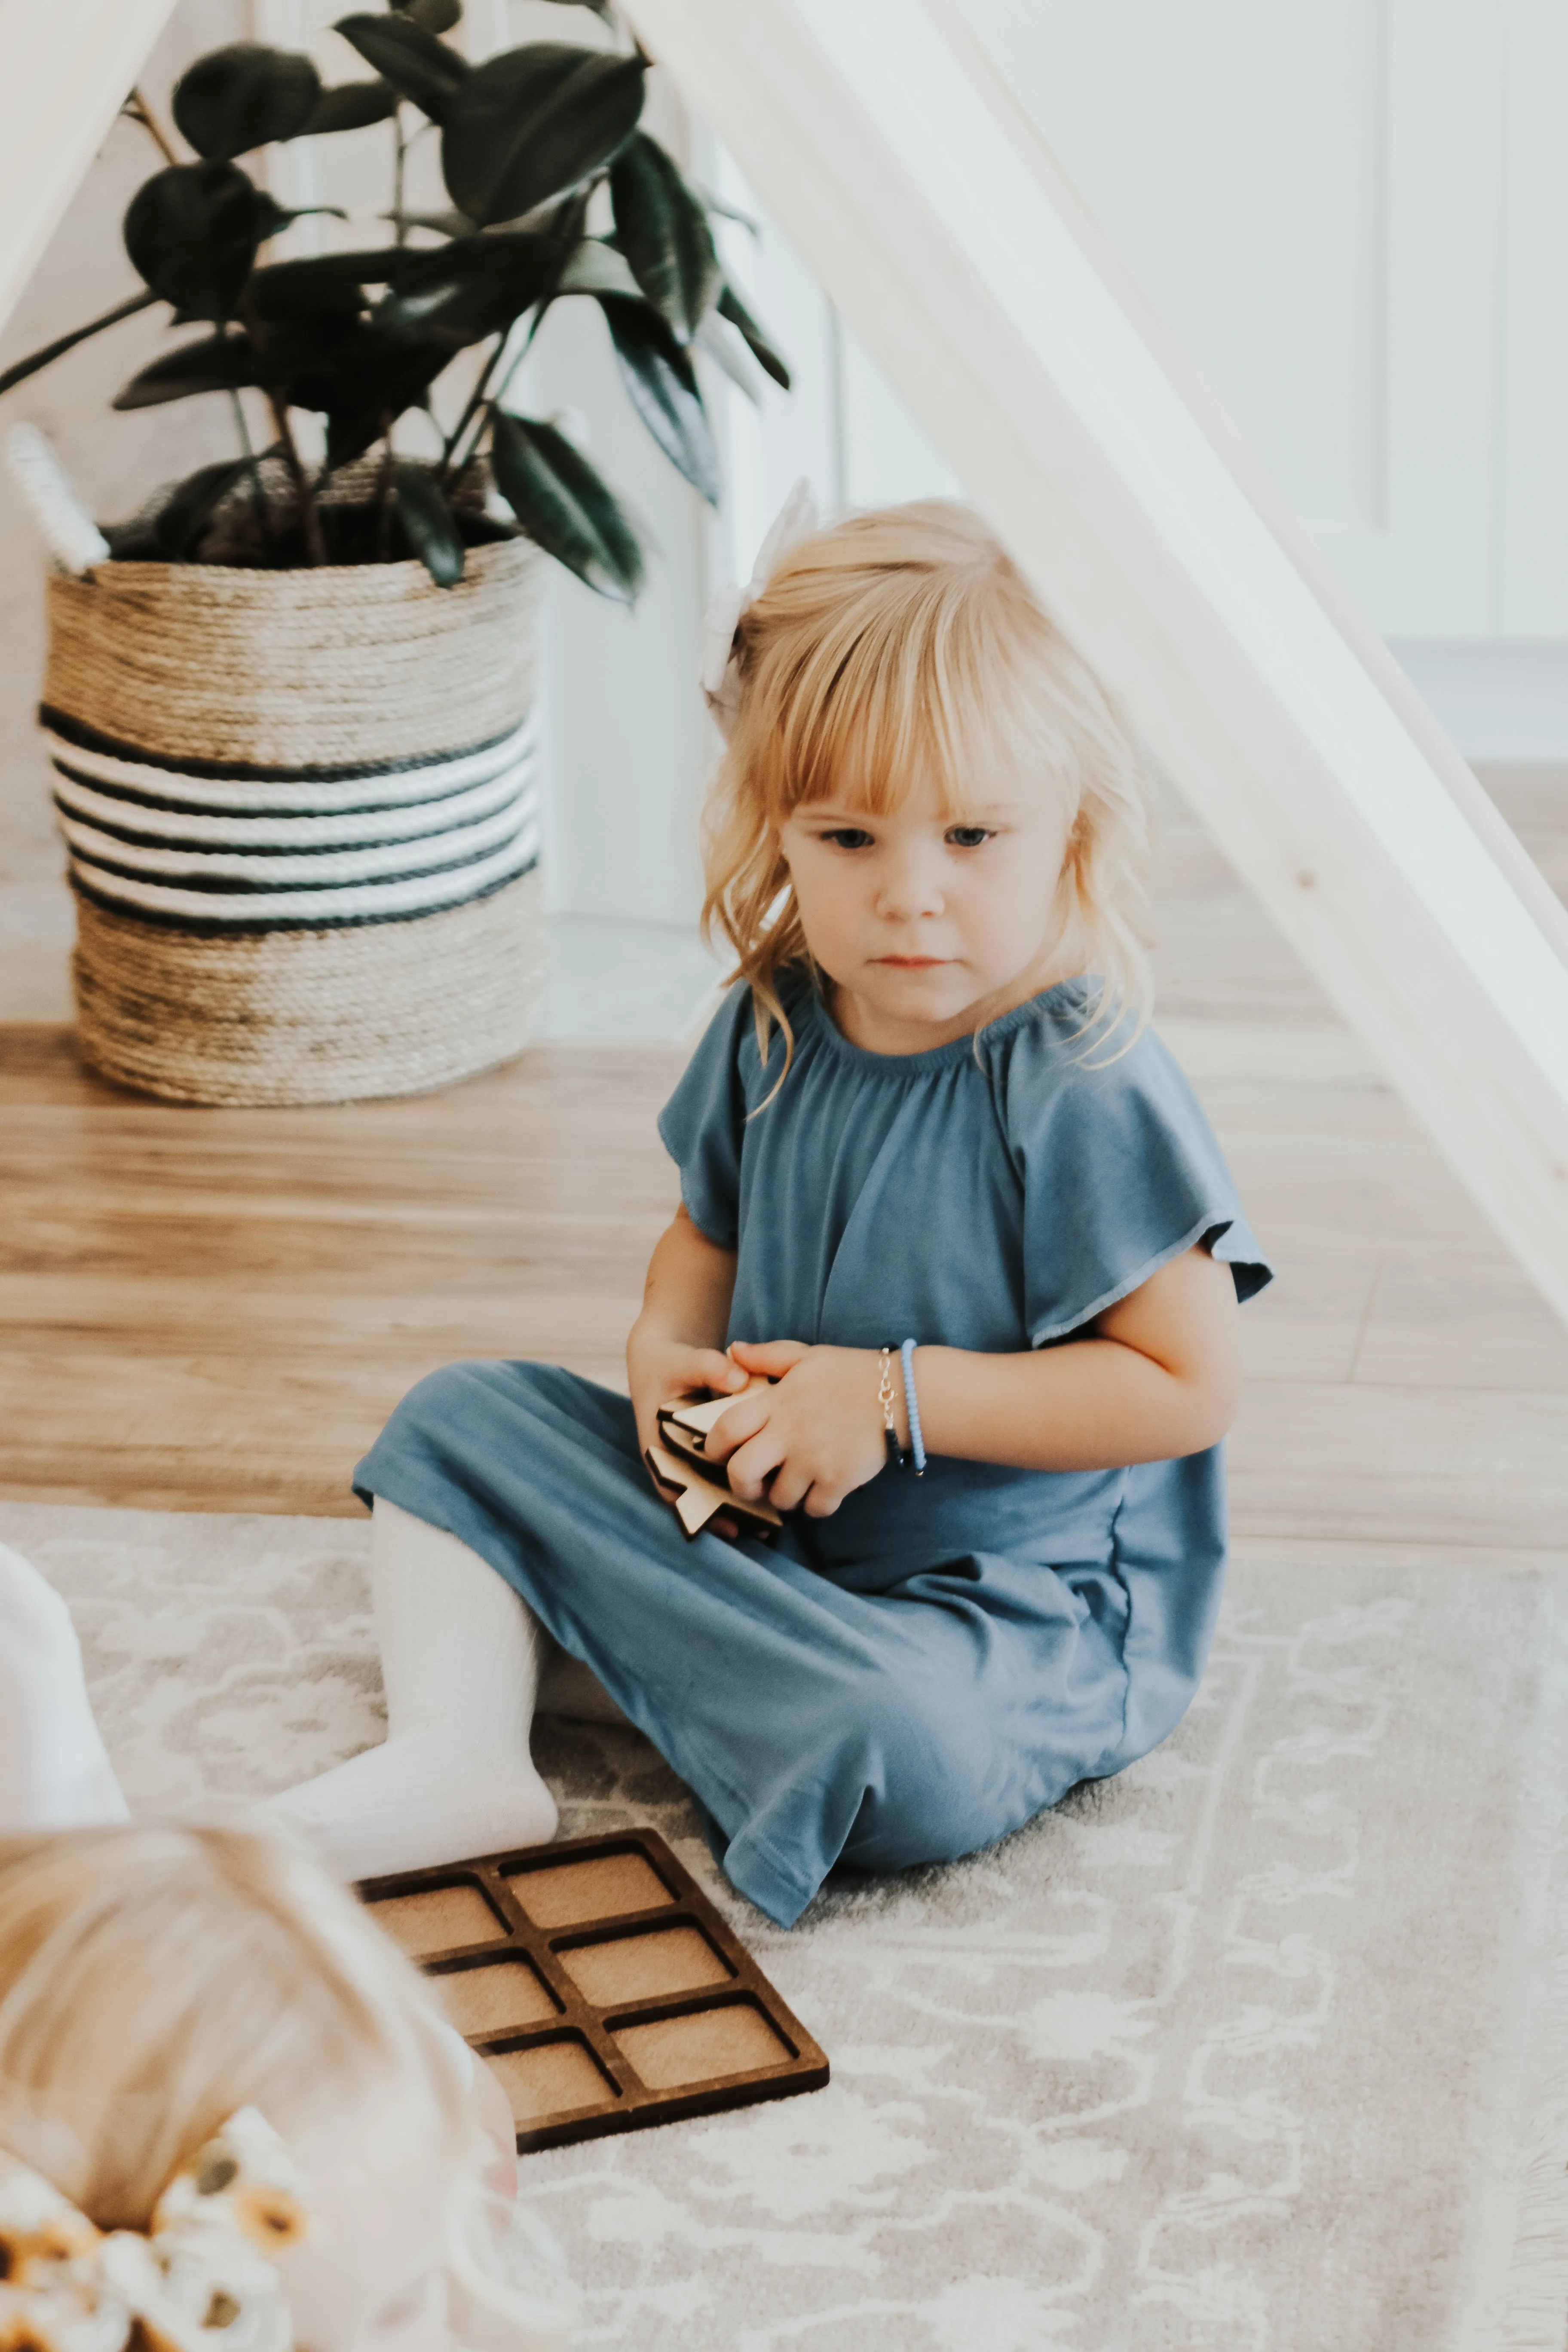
pixel 461 1657
pixel 54 1771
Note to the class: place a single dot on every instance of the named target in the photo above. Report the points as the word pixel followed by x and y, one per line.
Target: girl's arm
pixel 1157 1378
pixel 676 1344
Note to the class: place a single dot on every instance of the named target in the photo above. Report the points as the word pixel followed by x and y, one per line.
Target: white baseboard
pixel 1499 698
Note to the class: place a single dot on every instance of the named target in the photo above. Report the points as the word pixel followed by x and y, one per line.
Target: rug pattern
pixel 1200 2062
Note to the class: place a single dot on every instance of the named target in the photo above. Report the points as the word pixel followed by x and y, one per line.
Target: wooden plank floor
pixel 205 1310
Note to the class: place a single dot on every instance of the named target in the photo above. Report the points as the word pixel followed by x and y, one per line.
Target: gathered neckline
pixel 932 1057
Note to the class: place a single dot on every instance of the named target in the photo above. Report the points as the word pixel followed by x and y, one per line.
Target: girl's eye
pixel 847 836
pixel 968 836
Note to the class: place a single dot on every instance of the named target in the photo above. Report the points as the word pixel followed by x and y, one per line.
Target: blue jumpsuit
pixel 923 1671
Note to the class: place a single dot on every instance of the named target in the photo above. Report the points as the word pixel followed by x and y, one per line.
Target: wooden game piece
pixel 685 1423
pixel 699 1496
pixel 600 1985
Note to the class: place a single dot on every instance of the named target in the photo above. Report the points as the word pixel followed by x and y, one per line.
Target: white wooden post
pixel 882 142
pixel 69 66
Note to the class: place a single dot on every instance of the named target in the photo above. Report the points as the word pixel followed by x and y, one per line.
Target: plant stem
pixel 310 515
pixel 567 228
pixel 137 107
pixel 400 226
pixel 258 490
pixel 469 407
pixel 384 504
pixel 499 392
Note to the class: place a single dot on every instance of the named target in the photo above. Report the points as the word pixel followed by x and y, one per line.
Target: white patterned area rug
pixel 1261 2048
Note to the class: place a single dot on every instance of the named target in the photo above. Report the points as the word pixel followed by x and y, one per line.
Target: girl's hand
pixel 658 1369
pixel 816 1435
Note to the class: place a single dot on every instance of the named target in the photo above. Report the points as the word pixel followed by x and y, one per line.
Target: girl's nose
pixel 909 886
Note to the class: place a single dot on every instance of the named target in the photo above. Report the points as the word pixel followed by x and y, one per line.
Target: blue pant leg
pixel 810 1722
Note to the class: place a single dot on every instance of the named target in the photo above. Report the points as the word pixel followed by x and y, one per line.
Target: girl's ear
pixel 1075 857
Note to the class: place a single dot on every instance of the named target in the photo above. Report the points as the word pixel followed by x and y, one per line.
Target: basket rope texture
pixel 283 1016
pixel 301 814
pixel 340 666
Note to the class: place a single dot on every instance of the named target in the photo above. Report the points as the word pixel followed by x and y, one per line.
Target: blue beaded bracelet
pixel 917 1444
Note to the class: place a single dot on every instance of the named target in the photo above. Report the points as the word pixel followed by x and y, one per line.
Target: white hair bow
pixel 721 673
pixel 198 2280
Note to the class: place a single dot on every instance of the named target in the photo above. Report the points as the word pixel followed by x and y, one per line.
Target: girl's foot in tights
pixel 460 1656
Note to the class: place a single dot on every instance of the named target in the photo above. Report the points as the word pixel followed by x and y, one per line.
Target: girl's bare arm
pixel 1160 1378
pixel 676 1344
pixel 1157 1377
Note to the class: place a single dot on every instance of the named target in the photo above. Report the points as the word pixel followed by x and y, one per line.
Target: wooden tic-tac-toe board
pixel 600 1984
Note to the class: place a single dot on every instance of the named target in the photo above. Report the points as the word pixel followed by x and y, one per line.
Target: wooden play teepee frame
pixel 912 184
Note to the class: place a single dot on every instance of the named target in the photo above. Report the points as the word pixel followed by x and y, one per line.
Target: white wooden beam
pixel 64 68
pixel 878 136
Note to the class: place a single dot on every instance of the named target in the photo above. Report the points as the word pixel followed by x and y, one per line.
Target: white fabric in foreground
pixel 54 1771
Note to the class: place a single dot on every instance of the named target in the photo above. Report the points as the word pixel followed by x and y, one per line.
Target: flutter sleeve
pixel 1122 1172
pixel 702 1124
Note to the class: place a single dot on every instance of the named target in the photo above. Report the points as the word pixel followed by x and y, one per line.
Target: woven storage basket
pixel 300 808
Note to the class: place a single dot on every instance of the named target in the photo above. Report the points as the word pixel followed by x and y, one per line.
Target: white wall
pixel 1355 216
pixel 1314 197
pixel 117 460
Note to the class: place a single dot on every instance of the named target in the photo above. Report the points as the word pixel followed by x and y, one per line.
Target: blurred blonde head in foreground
pixel 154 1981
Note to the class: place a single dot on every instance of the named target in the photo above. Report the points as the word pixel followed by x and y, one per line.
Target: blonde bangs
pixel 898 649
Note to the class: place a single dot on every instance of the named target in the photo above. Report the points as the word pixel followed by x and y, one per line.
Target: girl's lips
pixel 913 963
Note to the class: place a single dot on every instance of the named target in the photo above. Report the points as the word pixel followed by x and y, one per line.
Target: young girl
pixel 927 1113
pixel 230 2113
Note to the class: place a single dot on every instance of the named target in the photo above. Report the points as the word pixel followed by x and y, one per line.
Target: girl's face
pixel 927 927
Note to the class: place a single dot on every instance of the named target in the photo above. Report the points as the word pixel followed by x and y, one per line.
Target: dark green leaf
pixel 725 349
pixel 216 363
pixel 241 97
pixel 351 106
pixel 272 218
pixel 663 231
pixel 535 120
pixel 726 212
pixel 595 266
pixel 181 521
pixel 730 306
pixel 418 65
pixel 135 542
pixel 324 281
pixel 428 520
pixel 564 505
pixel 192 232
pixel 366 381
pixel 289 353
pixel 474 287
pixel 449 223
pixel 662 384
pixel 435 16
pixel 36 359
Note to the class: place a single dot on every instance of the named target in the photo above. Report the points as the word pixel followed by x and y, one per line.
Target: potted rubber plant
pixel 289 703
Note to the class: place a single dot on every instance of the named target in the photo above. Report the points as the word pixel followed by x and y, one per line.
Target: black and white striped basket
pixel 301 809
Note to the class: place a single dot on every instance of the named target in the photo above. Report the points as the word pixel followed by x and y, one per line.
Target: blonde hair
pixel 154 1980
pixel 900 645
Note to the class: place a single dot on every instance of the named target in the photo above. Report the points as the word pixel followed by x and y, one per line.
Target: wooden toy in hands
pixel 698 1493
